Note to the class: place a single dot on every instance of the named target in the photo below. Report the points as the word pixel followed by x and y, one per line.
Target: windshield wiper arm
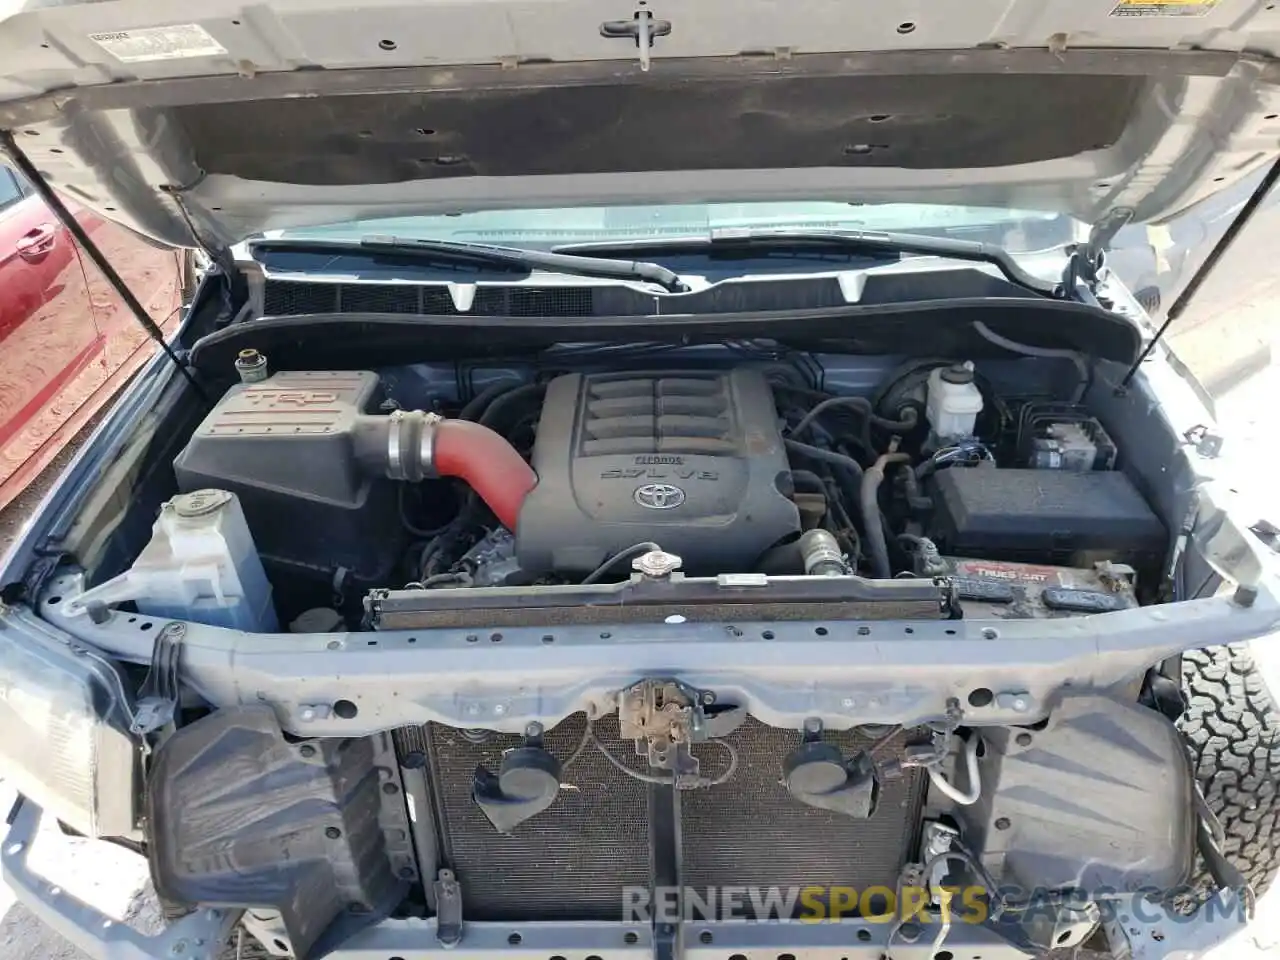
pixel 852 241
pixel 448 251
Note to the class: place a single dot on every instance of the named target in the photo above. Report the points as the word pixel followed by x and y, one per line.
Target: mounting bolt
pixel 848 703
pixel 333 833
pixel 1002 823
pixel 1024 739
pixel 499 709
pixel 1019 701
pixel 307 714
pixel 708 698
pixel 532 729
pixel 307 750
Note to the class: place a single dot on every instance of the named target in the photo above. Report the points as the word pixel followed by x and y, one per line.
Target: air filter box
pixel 1044 516
pixel 284 447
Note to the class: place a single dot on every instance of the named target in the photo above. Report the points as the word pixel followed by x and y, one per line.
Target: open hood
pixel 223 120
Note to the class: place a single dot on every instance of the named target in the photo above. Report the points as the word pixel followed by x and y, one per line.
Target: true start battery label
pixel 174 42
pixel 1163 8
pixel 994 570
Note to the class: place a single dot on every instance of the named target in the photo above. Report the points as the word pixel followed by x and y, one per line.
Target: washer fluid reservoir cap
pixel 200 502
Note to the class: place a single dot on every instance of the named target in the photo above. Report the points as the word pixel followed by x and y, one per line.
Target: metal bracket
pixel 1207 444
pixel 268 928
pixel 157 704
pixel 1141 929
pixel 643 28
pixel 1268 533
pixel 937 838
pixel 1065 926
pixel 663 717
pixel 448 896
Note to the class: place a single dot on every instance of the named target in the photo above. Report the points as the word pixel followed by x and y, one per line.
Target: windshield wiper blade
pixel 852 241
pixel 449 251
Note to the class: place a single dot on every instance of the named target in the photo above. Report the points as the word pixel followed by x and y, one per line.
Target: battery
pixel 1044 516
pixel 998 590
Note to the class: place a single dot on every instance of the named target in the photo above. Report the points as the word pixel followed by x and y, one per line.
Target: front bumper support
pixel 1137 929
pixel 197 936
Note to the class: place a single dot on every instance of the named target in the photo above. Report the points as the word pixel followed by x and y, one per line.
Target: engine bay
pixel 361 492
pixel 441 538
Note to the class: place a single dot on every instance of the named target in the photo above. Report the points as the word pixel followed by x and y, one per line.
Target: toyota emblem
pixel 659 496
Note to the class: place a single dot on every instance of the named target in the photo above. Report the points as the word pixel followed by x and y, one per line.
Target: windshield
pixel 1018 231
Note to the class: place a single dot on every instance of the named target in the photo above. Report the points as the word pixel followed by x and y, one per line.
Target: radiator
pixel 572 861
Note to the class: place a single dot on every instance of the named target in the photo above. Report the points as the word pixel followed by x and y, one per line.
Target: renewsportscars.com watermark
pixel 881 904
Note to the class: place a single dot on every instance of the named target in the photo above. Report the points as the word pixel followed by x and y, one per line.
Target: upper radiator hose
pixel 412 445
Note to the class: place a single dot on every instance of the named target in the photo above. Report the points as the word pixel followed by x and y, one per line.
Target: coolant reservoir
pixel 201 565
pixel 954 402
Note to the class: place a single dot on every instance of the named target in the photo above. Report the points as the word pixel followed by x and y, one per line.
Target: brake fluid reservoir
pixel 201 565
pixel 954 402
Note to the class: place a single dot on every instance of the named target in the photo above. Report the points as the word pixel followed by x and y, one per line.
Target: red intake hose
pixel 487 462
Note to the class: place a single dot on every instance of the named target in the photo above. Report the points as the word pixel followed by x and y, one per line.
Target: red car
pixel 67 341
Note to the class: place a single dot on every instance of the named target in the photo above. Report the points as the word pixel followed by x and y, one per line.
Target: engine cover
pixel 693 461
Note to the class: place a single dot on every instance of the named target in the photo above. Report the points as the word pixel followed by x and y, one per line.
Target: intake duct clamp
pixel 413 446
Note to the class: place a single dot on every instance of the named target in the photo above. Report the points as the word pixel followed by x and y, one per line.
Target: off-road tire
pixel 1232 731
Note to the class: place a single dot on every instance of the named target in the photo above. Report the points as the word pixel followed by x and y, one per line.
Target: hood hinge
pixel 217 253
pixel 1088 259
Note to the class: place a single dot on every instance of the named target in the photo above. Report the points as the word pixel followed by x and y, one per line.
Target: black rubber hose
pixel 911 487
pixel 863 407
pixel 806 481
pixel 491 415
pixel 480 402
pixel 782 560
pixel 828 456
pixel 409 525
pixel 872 521
pixel 925 470
pixel 632 551
pixel 860 434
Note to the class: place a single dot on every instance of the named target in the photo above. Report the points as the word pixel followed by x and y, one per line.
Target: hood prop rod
pixel 68 220
pixel 1179 306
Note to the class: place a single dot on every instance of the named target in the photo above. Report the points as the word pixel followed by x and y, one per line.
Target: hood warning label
pixel 174 42
pixel 1163 8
